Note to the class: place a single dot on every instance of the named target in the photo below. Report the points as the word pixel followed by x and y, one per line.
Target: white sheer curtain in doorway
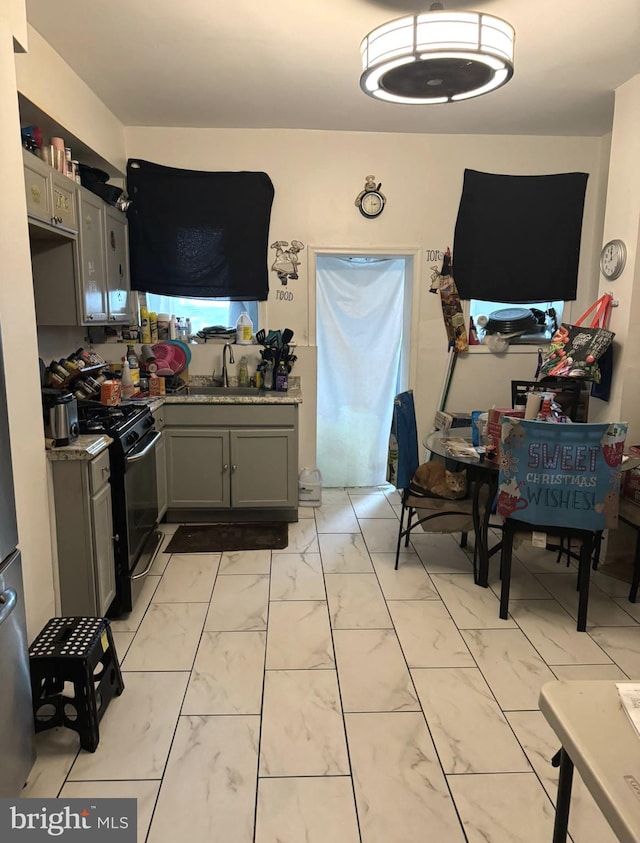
pixel 359 327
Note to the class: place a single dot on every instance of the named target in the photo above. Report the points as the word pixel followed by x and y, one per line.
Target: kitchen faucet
pixel 225 374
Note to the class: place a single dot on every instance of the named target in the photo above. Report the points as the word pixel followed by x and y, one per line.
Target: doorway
pixel 363 317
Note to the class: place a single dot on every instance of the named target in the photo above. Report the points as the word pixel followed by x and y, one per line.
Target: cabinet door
pixel 117 249
pixel 264 468
pixel 65 204
pixel 105 571
pixel 36 179
pixel 93 285
pixel 161 475
pixel 197 467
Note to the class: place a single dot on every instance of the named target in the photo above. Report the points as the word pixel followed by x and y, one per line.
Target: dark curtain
pixel 201 234
pixel 517 238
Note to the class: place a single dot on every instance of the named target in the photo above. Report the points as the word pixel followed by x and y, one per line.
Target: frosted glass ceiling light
pixel 437 57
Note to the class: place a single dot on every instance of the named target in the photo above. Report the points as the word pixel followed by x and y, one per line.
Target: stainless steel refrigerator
pixel 17 752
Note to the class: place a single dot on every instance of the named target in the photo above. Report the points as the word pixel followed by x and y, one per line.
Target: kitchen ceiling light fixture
pixel 436 57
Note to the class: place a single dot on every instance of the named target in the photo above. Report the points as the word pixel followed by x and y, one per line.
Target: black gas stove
pixel 134 498
pixel 126 424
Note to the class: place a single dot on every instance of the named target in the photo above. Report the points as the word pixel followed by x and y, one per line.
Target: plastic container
pixel 153 325
pixel 282 378
pixel 145 326
pixel 163 326
pixel 310 487
pixel 244 329
pixel 128 386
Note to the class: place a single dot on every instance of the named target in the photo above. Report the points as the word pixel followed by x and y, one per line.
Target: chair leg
pixel 409 520
pixel 635 581
pixel 400 534
pixel 505 566
pixel 584 571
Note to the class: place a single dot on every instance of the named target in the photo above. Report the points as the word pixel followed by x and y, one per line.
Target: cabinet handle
pixel 113 318
pixel 105 472
pixel 225 467
pixel 116 538
pixel 233 467
pixel 89 317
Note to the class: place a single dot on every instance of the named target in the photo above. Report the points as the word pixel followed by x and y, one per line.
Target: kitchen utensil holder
pixel 79 651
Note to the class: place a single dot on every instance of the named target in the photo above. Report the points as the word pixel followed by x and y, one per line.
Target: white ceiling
pixel 287 64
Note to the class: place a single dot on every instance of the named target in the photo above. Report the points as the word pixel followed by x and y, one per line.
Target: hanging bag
pixel 575 349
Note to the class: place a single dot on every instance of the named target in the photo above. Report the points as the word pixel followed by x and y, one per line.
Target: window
pixel 548 315
pixel 204 313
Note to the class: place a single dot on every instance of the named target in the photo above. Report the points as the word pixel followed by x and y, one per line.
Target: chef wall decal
pixel 286 262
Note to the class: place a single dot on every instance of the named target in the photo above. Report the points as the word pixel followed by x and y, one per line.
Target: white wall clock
pixel 370 201
pixel 612 259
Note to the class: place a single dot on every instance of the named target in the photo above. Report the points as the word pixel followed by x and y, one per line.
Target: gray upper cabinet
pixel 79 251
pixel 92 259
pixel 117 253
pixel 51 196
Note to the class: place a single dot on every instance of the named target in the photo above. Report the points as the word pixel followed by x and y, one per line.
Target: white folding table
pixel 597 737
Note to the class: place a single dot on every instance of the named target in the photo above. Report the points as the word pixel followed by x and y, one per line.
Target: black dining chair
pixel 559 481
pixel 431 514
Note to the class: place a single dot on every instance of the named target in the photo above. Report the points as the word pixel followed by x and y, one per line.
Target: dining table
pixel 456 444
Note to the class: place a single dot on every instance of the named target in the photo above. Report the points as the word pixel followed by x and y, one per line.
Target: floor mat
pixel 210 538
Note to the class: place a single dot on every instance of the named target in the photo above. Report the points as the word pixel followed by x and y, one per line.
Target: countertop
pixel 292 396
pixel 85 447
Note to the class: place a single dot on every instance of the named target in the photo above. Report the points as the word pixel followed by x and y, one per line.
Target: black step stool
pixel 79 651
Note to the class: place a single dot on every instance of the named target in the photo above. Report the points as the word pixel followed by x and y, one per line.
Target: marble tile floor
pixel 315 695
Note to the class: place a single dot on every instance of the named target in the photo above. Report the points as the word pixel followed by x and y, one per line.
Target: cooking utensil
pixel 287 336
pixel 261 336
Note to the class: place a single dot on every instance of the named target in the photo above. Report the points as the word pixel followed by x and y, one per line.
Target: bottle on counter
pixel 243 372
pixel 145 327
pixel 244 329
pixel 132 358
pixel 128 387
pixel 173 328
pixel 282 377
pixel 187 330
pixel 268 374
pixel 153 326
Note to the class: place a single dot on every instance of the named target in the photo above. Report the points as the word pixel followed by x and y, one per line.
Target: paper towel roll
pixel 532 408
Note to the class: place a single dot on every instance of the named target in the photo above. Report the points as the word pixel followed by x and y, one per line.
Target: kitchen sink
pixel 238 391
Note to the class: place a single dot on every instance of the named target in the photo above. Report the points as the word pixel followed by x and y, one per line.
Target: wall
pixel 622 221
pixel 317 176
pixel 17 316
pixel 50 84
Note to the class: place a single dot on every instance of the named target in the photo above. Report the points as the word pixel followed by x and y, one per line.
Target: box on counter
pixel 110 392
pixel 494 426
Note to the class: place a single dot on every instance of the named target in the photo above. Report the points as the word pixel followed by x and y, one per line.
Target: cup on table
pixel 532 407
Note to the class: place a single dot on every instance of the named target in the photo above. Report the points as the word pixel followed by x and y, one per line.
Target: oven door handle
pixel 135 457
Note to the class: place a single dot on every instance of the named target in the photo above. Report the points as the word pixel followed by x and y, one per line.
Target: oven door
pixel 141 495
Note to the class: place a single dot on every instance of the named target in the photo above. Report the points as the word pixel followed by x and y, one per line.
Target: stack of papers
pixel 461 448
pixel 630 696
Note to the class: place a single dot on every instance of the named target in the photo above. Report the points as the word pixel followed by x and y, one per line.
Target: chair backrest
pixel 403 442
pixel 561 475
pixel 567 392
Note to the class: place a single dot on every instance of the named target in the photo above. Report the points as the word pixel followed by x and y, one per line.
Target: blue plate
pixel 183 346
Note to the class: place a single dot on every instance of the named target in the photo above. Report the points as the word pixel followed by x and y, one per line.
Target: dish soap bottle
pixel 145 327
pixel 243 372
pixel 282 377
pixel 244 329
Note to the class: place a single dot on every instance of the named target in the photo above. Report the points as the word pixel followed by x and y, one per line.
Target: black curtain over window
pixel 517 238
pixel 202 234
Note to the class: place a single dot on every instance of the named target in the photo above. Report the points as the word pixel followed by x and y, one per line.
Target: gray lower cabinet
pixel 232 457
pixel 84 530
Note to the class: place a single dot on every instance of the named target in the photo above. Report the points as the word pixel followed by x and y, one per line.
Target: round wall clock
pixel 370 201
pixel 372 204
pixel 612 259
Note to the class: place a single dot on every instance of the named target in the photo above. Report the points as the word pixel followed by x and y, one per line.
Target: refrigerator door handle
pixel 8 600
